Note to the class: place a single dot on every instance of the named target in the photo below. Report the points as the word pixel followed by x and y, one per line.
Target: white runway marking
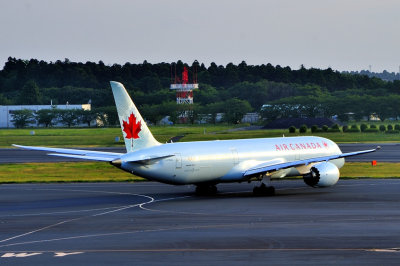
pixel 20 255
pixel 30 254
pixel 115 209
pixel 124 233
pixel 38 230
pixel 84 217
pixel 63 254
pixel 59 212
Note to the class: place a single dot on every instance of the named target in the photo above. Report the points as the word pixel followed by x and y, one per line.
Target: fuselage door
pixel 235 156
pixel 178 159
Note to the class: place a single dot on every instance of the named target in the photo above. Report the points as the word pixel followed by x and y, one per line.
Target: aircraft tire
pixel 263 190
pixel 206 190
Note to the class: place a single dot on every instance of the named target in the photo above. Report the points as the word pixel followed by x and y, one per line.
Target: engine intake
pixel 323 174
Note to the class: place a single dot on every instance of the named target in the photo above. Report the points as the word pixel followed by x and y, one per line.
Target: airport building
pixel 6 112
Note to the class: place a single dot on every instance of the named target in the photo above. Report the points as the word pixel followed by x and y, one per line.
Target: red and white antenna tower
pixel 184 90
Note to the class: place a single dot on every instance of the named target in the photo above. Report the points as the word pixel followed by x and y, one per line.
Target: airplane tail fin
pixel 134 129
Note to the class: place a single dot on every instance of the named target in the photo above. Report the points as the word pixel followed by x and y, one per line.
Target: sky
pixel 342 34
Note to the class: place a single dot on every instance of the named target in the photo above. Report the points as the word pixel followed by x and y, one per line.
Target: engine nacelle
pixel 323 174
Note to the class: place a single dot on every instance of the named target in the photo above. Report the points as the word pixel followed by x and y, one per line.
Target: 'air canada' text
pixel 300 146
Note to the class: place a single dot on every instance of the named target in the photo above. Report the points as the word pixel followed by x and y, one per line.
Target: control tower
pixel 184 90
pixel 184 93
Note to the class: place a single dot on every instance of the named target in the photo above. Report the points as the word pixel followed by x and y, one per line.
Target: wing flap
pixel 84 157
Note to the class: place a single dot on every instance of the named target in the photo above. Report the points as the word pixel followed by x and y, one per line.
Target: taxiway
pixel 355 222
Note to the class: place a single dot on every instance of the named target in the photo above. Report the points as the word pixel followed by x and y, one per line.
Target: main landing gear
pixel 206 190
pixel 263 189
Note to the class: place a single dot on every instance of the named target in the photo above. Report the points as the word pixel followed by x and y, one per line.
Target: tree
pixel 363 127
pixel 151 113
pixel 193 112
pixel 46 117
pixel 303 129
pixel 172 110
pixel 108 115
pixel 68 117
pixel 4 100
pixel 305 92
pixel 235 109
pixel 314 128
pixel 30 94
pixel 21 118
pixel 213 109
pixel 271 112
pixel 86 116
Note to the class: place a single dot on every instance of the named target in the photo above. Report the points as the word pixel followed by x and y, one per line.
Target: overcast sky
pixel 342 34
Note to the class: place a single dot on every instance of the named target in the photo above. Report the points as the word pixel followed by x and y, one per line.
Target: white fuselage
pixel 227 160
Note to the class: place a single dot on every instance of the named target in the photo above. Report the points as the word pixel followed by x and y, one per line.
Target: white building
pixel 7 110
pixel 251 118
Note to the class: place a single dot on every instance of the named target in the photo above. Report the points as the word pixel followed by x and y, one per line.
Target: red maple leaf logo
pixel 131 128
pixel 325 144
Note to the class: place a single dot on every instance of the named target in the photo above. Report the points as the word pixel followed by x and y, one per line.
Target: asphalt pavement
pixel 355 222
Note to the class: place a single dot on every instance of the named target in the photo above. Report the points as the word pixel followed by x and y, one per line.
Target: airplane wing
pixel 79 154
pixel 267 167
pixel 114 158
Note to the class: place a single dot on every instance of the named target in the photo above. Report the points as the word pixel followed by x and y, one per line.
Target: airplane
pixel 208 163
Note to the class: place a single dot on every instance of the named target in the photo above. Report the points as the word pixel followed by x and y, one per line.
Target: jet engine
pixel 324 174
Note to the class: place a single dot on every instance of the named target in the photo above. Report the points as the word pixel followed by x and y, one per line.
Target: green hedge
pixel 363 127
pixel 353 130
pixel 303 129
pixel 371 130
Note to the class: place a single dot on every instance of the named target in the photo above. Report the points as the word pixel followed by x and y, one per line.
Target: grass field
pixel 105 137
pixel 94 137
pixel 103 172
pixel 63 172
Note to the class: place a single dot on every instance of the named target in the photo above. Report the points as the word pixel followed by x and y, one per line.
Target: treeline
pixel 389 129
pixel 250 86
pixel 349 105
pixel 384 75
pixel 107 116
pixel 66 117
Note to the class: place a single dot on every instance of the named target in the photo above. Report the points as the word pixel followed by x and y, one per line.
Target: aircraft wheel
pixel 206 190
pixel 263 190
